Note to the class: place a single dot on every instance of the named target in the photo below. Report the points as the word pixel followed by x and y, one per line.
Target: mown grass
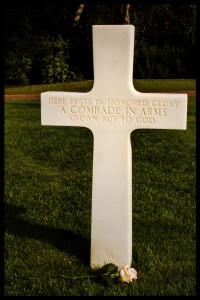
pixel 86 85
pixel 48 182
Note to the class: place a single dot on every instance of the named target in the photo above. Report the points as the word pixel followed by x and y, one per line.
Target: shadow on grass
pixel 63 240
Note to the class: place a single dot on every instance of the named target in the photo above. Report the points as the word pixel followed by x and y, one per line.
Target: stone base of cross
pixel 112 110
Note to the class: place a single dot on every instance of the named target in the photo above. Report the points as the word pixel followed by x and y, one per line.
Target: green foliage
pixel 165 40
pixel 52 55
pixel 18 66
pixel 161 62
pixel 164 46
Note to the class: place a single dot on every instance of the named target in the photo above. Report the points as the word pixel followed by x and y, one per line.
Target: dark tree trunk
pixel 122 14
pixel 78 14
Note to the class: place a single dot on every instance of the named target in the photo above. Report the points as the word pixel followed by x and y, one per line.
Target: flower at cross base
pixel 109 273
pixel 127 275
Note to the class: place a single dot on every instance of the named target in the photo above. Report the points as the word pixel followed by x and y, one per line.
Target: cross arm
pixel 132 111
pixel 159 110
pixel 66 109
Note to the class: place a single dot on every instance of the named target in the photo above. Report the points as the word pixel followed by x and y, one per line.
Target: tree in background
pixel 17 40
pixel 52 60
pixel 165 39
pixel 122 15
pixel 78 13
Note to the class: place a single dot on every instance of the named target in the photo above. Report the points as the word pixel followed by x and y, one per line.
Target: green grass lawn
pixel 48 184
pixel 144 85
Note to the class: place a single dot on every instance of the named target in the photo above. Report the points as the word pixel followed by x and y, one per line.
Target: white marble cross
pixel 112 110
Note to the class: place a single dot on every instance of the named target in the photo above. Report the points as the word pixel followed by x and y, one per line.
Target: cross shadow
pixel 63 240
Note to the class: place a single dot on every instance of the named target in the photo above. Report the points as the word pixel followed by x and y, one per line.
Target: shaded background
pixel 52 42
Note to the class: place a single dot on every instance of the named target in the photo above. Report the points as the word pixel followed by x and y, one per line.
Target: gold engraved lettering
pixel 130 110
pixel 62 110
pixel 109 119
pixel 75 101
pixel 99 101
pixel 83 118
pixel 142 102
pixel 126 119
pixel 94 110
pixel 56 100
pixel 145 120
pixel 127 102
pixel 154 111
pixel 165 103
pixel 143 112
pixel 174 103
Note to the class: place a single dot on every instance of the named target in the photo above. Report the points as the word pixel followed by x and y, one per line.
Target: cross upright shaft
pixel 113 59
pixel 112 110
pixel 111 232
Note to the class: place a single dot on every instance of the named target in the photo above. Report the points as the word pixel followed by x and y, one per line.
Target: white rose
pixel 127 274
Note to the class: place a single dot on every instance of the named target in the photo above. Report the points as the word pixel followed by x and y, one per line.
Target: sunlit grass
pixel 86 85
pixel 48 184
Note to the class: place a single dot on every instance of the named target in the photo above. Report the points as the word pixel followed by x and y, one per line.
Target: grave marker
pixel 112 110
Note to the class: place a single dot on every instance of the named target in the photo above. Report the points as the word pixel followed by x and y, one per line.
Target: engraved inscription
pixel 113 110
